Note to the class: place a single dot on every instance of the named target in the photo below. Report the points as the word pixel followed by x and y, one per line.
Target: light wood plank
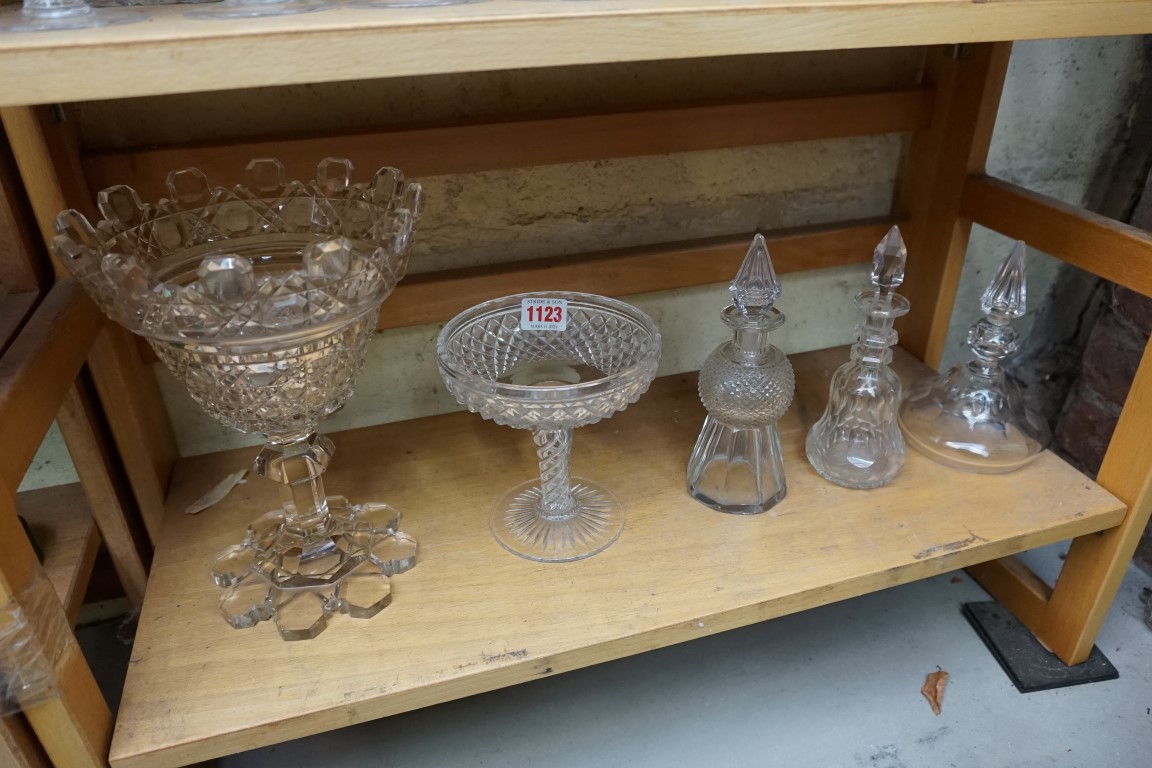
pixel 15 308
pixel 37 166
pixel 1016 586
pixel 1096 564
pixel 95 461
pixel 968 82
pixel 1110 249
pixel 18 745
pixel 23 263
pixel 430 151
pixel 75 727
pixel 459 625
pixel 438 296
pixel 137 418
pixel 38 369
pixel 61 523
pixel 172 54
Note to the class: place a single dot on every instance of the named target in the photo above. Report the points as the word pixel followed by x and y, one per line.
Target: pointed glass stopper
pixel 1007 294
pixel 755 287
pixel 888 261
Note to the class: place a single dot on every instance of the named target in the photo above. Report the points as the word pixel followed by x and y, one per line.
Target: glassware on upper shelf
pixel 973 417
pixel 49 15
pixel 261 300
pixel 746 385
pixel 857 442
pixel 407 3
pixel 247 9
pixel 549 363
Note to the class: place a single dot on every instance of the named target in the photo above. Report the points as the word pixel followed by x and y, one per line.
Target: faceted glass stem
pixel 298 466
pixel 554 450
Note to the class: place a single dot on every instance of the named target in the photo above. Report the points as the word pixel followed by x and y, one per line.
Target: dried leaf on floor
pixel 933 689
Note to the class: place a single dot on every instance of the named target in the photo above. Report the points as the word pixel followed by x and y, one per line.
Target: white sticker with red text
pixel 544 314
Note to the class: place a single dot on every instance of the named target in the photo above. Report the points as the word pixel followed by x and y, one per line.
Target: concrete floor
pixel 836 686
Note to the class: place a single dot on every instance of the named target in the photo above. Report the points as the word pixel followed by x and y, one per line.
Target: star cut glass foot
pixel 300 581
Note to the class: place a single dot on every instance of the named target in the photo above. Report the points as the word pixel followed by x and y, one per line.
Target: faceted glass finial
pixel 888 260
pixel 1007 294
pixel 755 286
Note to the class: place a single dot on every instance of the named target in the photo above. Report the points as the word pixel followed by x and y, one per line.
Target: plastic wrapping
pixel 27 657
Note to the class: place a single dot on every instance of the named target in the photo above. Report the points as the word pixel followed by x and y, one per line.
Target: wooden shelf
pixel 63 526
pixel 173 54
pixel 471 618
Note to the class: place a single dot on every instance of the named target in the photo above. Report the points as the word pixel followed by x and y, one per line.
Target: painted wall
pixel 1065 103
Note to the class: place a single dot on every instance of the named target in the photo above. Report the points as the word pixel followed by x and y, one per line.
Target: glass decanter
pixel 261 300
pixel 857 442
pixel 598 357
pixel 973 417
pixel 746 385
pixel 48 15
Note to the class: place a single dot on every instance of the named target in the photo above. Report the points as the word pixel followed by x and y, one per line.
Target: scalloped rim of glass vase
pixel 536 392
pixel 181 261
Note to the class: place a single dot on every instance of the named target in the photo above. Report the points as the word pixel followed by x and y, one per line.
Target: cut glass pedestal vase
pixel 551 382
pixel 973 417
pixel 261 300
pixel 746 385
pixel 857 442
pixel 48 15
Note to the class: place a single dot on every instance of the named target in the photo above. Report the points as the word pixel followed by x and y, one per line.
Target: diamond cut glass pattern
pixel 261 299
pixel 746 385
pixel 551 382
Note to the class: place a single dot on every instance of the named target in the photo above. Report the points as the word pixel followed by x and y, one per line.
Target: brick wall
pixel 1113 351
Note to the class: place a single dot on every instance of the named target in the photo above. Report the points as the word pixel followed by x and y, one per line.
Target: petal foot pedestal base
pixel 300 581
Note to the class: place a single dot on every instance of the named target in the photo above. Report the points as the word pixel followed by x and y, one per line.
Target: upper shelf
pixel 173 54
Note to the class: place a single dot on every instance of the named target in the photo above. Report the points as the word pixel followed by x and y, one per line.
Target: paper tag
pixel 544 314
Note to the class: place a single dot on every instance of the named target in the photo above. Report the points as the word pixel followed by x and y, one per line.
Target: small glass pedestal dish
pixel 746 385
pixel 973 417
pixel 261 300
pixel 551 382
pixel 49 15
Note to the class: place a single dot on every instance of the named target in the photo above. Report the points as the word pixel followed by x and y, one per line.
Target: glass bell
pixel 746 385
pixel 973 417
pixel 857 442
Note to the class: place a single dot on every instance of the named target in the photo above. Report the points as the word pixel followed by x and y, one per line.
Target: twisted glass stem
pixel 553 450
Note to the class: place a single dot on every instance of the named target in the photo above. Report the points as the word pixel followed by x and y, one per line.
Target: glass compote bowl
pixel 551 381
pixel 261 300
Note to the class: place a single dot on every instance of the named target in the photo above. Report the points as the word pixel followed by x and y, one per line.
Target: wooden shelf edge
pixel 459 623
pixel 63 527
pixel 173 54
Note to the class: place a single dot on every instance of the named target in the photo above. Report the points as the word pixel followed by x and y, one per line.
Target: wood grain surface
pixel 172 54
pixel 471 617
